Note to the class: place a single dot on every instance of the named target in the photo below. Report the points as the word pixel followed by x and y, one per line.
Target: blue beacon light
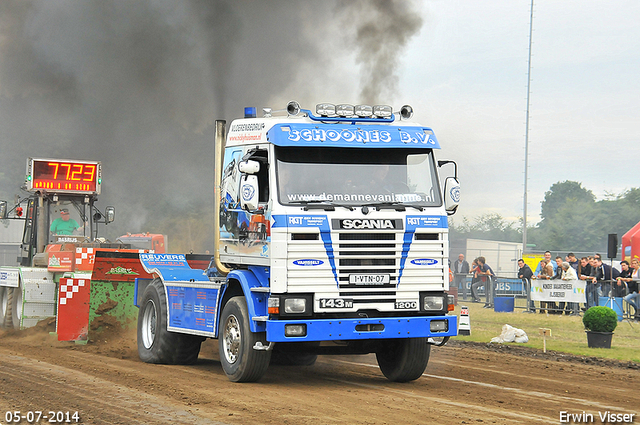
pixel 250 112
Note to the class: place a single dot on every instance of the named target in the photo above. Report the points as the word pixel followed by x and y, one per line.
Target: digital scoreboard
pixel 66 176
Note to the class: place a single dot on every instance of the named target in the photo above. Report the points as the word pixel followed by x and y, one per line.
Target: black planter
pixel 599 339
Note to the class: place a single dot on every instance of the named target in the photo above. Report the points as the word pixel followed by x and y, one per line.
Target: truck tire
pixel 240 362
pixel 155 343
pixel 404 360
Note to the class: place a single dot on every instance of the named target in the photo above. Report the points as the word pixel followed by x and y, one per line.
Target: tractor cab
pixel 59 212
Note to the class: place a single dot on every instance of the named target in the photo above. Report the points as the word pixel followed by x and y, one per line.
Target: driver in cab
pixel 64 225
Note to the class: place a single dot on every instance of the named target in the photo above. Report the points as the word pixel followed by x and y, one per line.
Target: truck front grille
pixel 350 256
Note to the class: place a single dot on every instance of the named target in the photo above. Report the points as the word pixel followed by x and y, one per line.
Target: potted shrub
pixel 600 323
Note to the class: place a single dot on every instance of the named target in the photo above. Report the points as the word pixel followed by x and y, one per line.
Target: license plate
pixel 369 279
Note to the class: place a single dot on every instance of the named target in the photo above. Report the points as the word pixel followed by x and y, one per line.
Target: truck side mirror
pixel 249 167
pixel 249 192
pixel 110 214
pixel 3 209
pixel 451 195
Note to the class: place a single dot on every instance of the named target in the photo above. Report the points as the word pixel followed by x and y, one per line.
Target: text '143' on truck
pixel 52 275
pixel 331 237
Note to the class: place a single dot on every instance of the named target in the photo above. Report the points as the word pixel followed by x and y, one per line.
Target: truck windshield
pixel 353 177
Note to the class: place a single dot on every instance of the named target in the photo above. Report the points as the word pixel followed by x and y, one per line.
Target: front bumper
pixel 362 329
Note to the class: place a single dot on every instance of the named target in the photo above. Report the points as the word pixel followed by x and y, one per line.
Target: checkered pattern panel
pixel 85 256
pixel 70 287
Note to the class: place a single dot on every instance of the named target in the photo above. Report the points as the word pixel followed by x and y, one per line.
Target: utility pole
pixel 526 138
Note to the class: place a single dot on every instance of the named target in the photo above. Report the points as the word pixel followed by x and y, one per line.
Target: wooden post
pixel 544 332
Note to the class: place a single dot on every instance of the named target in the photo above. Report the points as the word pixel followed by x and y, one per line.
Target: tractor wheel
pixel 6 299
pixel 14 310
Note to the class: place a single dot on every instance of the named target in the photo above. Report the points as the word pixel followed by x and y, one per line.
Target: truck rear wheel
pixel 404 360
pixel 240 362
pixel 155 343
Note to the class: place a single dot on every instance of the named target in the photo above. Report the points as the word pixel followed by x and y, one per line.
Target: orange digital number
pixel 68 169
pixel 77 169
pixel 90 172
pixel 55 172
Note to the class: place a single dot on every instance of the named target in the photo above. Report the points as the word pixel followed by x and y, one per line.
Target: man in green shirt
pixel 64 225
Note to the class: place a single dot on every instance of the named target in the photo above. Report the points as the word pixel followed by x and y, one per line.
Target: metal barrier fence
pixel 503 286
pixel 519 289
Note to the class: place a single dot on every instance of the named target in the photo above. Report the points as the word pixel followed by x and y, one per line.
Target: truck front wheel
pixel 240 362
pixel 403 360
pixel 155 343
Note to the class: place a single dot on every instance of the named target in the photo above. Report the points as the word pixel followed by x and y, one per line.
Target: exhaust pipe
pixel 219 141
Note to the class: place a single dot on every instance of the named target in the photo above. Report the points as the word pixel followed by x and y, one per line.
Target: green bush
pixel 600 319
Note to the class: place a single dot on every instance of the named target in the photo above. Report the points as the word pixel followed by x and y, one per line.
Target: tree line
pixel 572 219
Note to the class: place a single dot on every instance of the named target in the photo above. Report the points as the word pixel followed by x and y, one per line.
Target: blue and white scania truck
pixel 331 238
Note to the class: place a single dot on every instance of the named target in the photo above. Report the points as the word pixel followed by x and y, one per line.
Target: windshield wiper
pixel 398 206
pixel 349 207
pixel 321 204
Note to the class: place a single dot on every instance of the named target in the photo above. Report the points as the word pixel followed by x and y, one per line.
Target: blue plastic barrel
pixel 503 304
pixel 613 303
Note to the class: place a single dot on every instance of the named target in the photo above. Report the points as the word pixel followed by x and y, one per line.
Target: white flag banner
pixel 571 291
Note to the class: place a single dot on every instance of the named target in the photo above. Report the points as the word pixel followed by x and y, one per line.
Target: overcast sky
pixel 466 76
pixel 138 85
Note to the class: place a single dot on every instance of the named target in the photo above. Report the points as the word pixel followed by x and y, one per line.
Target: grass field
pixel 567 332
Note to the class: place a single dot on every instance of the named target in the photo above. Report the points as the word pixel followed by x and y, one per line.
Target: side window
pixel 261 156
pixel 230 180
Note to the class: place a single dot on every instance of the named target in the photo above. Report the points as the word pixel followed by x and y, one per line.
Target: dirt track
pixel 106 383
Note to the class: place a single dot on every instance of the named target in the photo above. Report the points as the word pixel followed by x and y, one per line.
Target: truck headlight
pixel 433 303
pixel 295 305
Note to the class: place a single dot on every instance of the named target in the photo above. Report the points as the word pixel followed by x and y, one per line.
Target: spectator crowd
pixel 601 279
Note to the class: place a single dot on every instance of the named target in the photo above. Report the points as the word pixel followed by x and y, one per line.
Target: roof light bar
pixel 329 112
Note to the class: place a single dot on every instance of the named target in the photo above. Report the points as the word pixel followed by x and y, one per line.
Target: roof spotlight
pixel 325 109
pixel 363 110
pixel 345 110
pixel 293 108
pixel 382 111
pixel 406 112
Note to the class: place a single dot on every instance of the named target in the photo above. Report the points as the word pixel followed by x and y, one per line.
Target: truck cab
pixel 331 238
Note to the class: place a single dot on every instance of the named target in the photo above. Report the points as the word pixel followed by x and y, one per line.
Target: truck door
pixel 29 236
pixel 254 229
